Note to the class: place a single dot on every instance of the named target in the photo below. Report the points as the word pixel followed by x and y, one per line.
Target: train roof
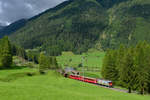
pixel 69 69
pixel 104 80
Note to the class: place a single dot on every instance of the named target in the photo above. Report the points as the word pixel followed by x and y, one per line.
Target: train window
pixel 89 79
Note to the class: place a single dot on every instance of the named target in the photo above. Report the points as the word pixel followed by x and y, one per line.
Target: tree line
pixel 8 50
pixel 129 67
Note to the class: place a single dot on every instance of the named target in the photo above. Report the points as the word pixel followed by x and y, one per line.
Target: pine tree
pixel 54 63
pixel 127 74
pixel 142 66
pixel 120 55
pixel 42 62
pixel 47 62
pixel 129 67
pixel 109 70
pixel 5 53
pixel 147 60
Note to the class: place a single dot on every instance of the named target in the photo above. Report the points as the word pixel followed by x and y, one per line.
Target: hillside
pixel 110 3
pixel 1 27
pixel 129 23
pixel 74 25
pixel 7 30
pixel 77 25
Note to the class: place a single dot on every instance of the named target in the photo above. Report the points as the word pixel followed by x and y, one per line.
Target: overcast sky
pixel 12 10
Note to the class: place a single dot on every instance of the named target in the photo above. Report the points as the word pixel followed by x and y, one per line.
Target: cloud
pixel 1 7
pixel 12 10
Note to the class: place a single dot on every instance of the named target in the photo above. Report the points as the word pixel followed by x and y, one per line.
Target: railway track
pixel 115 89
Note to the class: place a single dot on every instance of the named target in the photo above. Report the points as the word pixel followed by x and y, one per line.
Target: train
pixel 73 74
pixel 101 82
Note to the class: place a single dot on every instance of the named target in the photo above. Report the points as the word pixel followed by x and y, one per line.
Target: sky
pixel 13 10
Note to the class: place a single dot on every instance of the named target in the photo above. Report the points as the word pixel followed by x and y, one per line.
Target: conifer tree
pixel 127 74
pixel 47 62
pixel 147 60
pixel 129 67
pixel 42 62
pixel 120 55
pixel 109 70
pixel 54 63
pixel 5 53
pixel 142 66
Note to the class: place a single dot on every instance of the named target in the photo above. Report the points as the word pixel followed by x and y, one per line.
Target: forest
pixel 129 67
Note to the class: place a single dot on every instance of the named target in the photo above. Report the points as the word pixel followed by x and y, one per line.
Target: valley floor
pixel 52 86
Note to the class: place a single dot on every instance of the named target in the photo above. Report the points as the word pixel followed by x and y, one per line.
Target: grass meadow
pixel 91 59
pixel 53 86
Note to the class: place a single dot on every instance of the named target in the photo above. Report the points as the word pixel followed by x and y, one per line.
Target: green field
pixel 91 74
pixel 92 59
pixel 54 87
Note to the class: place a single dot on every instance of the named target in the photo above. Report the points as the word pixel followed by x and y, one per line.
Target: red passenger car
pixel 90 80
pixel 76 77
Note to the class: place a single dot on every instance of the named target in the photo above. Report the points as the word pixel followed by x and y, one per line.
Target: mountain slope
pixel 74 25
pixel 1 27
pixel 129 23
pixel 77 25
pixel 110 3
pixel 7 30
